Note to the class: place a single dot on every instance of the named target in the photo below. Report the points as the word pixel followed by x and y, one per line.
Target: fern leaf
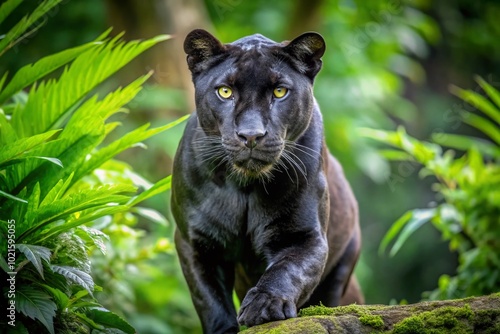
pixel 127 141
pixel 6 8
pixel 31 209
pixel 101 197
pixel 477 101
pixel 20 147
pixel 485 126
pixel 36 305
pixel 493 94
pixel 52 231
pixel 57 191
pixel 46 106
pixel 32 72
pixel 10 38
pixel 36 255
pixel 76 276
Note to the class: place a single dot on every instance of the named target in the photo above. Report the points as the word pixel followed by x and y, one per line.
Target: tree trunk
pixel 470 315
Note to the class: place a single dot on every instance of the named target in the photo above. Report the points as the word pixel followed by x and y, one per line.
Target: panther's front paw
pixel 260 306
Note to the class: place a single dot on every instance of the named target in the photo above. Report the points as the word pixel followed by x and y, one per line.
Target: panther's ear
pixel 306 52
pixel 200 46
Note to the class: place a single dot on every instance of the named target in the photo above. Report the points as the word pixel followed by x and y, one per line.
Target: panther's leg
pixel 210 281
pixel 294 261
pixel 340 281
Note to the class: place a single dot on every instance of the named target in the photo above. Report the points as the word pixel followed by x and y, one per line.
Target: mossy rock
pixel 461 316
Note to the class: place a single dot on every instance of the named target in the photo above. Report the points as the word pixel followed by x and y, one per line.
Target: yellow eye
pixel 225 92
pixel 280 92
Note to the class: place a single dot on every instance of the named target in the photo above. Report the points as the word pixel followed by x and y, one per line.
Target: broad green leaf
pixel 32 72
pixel 485 126
pixel 416 220
pixel 35 254
pixel 25 23
pixel 76 276
pixel 157 188
pixel 109 320
pixel 6 8
pixel 36 305
pixel 61 299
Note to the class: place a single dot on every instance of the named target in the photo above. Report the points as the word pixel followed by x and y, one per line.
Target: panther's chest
pixel 231 217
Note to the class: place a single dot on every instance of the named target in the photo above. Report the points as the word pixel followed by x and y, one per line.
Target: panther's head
pixel 253 98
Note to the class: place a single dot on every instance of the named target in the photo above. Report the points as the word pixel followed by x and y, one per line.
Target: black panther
pixel 260 204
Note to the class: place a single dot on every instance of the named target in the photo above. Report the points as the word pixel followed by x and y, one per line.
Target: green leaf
pixel 417 218
pixel 492 93
pixel 32 72
pixel 109 320
pixel 127 141
pixel 151 214
pixel 96 236
pixel 21 147
pixel 6 8
pixel 478 101
pixel 36 305
pixel 157 188
pixel 12 197
pixel 101 197
pixel 35 254
pixel 4 265
pixel 47 107
pixel 487 127
pixel 394 230
pixel 61 299
pixel 395 155
pixel 464 143
pixel 76 276
pixel 12 35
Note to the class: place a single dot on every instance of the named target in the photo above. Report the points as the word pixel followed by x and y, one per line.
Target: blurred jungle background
pixel 388 63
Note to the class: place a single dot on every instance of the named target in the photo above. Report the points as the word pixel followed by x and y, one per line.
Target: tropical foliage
pixel 58 179
pixel 468 190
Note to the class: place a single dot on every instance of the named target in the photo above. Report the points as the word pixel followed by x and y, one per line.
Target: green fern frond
pixel 20 148
pixel 12 37
pixel 98 198
pixel 32 72
pixel 57 191
pixel 47 107
pixel 35 254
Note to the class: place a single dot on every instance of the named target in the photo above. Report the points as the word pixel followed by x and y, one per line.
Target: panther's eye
pixel 225 92
pixel 280 92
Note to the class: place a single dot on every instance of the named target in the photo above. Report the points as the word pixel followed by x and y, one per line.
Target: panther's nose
pixel 251 137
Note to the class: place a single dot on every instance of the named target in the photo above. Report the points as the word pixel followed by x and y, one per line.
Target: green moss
pixel 456 320
pixel 374 321
pixel 291 326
